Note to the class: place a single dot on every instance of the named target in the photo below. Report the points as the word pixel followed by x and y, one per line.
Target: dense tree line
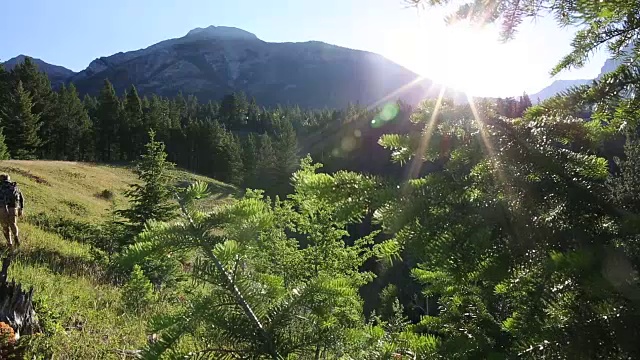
pixel 234 140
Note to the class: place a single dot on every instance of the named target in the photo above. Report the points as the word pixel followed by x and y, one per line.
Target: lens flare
pixel 389 112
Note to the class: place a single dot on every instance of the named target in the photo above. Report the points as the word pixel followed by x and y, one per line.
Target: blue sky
pixel 72 33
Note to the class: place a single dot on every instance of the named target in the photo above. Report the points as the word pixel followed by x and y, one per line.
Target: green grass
pixel 69 287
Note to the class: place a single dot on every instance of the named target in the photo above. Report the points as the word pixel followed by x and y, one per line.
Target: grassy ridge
pixel 87 318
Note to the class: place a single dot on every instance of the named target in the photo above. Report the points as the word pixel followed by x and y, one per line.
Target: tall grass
pixel 82 313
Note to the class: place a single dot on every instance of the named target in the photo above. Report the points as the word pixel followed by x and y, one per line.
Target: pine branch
pixel 539 159
pixel 230 284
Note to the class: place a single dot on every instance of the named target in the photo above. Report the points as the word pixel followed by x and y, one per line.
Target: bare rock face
pixel 214 61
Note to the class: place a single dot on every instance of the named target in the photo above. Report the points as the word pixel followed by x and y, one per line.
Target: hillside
pixel 83 313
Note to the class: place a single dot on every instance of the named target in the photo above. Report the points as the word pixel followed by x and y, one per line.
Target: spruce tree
pixel 106 123
pixel 524 103
pixel 266 163
pixel 513 242
pixel 5 91
pixel 253 117
pixel 43 99
pixel 72 127
pixel 91 105
pixel 152 198
pixel 22 125
pixel 235 167
pixel 625 187
pixel 284 282
pixel 131 130
pixel 250 161
pixel 286 155
pixel 4 150
pixel 233 110
pixel 36 83
pixel 218 151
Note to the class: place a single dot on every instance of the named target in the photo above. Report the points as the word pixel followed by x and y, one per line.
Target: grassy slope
pixel 93 322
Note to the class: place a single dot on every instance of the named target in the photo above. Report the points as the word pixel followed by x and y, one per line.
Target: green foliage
pixel 4 150
pixel 286 155
pixel 495 231
pixel 625 188
pixel 131 132
pixel 137 293
pixel 250 162
pixel 71 229
pixel 21 125
pixel 150 200
pixel 233 110
pixel 106 122
pixel 280 280
pixel 70 127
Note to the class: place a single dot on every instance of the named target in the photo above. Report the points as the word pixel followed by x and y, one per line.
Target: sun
pixel 466 58
pixel 462 56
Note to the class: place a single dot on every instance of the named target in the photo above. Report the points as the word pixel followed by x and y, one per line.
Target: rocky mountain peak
pixel 225 32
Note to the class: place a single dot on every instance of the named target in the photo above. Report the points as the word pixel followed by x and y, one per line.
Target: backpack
pixel 9 194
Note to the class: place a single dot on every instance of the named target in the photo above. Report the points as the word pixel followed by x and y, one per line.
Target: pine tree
pixel 220 152
pixel 156 117
pixel 524 103
pixel 4 150
pixel 91 105
pixel 233 111
pixel 265 162
pixel 36 83
pixel 286 155
pixel 253 117
pixel 131 131
pixel 5 90
pixel 43 99
pixel 625 188
pixel 250 161
pixel 106 123
pixel 234 149
pixel 500 235
pixel 72 127
pixel 21 125
pixel 137 293
pixel 152 199
pixel 284 282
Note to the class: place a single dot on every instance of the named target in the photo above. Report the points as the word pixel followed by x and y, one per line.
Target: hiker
pixel 11 205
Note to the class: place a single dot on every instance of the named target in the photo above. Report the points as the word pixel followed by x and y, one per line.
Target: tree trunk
pixel 16 305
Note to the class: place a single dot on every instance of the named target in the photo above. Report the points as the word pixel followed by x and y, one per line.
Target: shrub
pixel 67 228
pixel 162 270
pixel 106 194
pixel 137 293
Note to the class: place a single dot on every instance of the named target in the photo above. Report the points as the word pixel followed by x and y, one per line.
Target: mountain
pixel 57 74
pixel 559 86
pixel 214 61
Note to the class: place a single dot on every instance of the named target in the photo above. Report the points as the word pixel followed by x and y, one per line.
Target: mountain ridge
pixel 559 86
pixel 57 74
pixel 214 61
